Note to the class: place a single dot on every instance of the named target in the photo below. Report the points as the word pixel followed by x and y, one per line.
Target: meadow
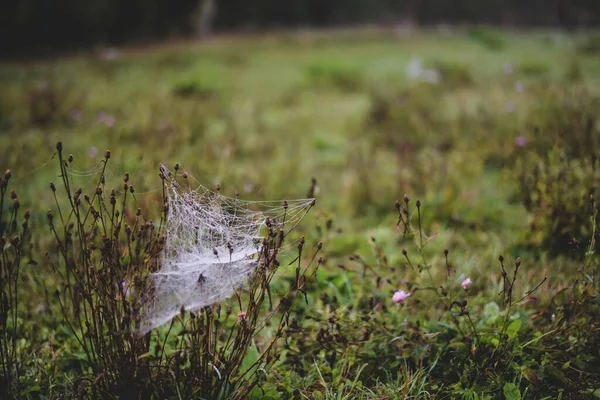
pixel 450 252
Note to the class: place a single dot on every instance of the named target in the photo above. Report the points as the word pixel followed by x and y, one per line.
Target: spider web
pixel 212 246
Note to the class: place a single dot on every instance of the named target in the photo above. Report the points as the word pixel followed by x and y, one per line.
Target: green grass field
pixel 498 138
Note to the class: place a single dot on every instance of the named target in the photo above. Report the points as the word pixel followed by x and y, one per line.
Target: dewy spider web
pixel 212 245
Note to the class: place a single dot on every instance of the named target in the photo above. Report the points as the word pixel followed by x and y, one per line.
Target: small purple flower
pixel 163 124
pixel 93 152
pixel 109 121
pixel 465 284
pixel 75 114
pixel 510 108
pixel 521 141
pixel 519 86
pixel 101 117
pixel 400 296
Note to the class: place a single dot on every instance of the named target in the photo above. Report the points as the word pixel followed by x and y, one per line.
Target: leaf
pixel 511 392
pixel 513 329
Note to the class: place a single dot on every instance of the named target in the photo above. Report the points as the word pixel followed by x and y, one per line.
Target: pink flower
pixel 400 296
pixel 510 108
pixel 93 152
pixel 75 114
pixel 101 117
pixel 241 316
pixel 521 141
pixel 109 121
pixel 465 284
pixel 519 86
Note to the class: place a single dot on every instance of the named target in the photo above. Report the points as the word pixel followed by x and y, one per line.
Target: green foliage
pixel 486 37
pixel 198 84
pixel 560 154
pixel 453 75
pixel 342 76
pixel 589 45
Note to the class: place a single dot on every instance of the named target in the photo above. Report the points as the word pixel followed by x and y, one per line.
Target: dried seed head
pixel 418 203
pixel 7 175
pixel 501 258
pixel 59 146
pixel 107 154
pixel 49 215
pixel 70 158
pixel 98 190
pixel 446 252
pixel 397 205
pixel 131 189
pixel 406 199
pixel 301 243
pixel 16 204
pixel 518 262
pixel 404 252
pixel 285 205
pixel 184 175
pixel 177 167
pixel 218 187
pixel 126 179
pixel 27 214
pixel 313 202
pixel 13 194
pixel 319 245
pixel 138 212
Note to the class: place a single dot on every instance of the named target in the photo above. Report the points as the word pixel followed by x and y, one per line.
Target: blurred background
pixel 372 98
pixel 37 26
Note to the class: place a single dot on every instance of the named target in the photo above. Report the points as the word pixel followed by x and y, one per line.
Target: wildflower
pixel 400 296
pixel 519 86
pixel 465 284
pixel 241 316
pixel 510 108
pixel 93 152
pixel 521 141
pixel 163 124
pixel 101 117
pixel 109 121
pixel 75 114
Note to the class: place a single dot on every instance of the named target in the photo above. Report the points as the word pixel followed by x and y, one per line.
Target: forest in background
pixel 33 27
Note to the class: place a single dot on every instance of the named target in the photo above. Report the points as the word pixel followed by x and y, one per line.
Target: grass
pixel 264 116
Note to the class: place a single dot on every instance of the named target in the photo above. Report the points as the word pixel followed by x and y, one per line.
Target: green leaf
pixel 511 392
pixel 513 329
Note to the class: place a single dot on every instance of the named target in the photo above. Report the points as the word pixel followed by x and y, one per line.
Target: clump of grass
pixel 198 84
pixel 490 39
pixel 14 240
pixel 558 152
pixel 104 251
pixel 48 102
pixel 332 74
pixel 453 75
pixel 406 116
pixel 533 69
pixel 589 45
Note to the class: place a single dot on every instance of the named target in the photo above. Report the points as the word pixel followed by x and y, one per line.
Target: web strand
pixel 212 247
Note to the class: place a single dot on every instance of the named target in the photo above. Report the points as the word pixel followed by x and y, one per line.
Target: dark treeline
pixel 36 25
